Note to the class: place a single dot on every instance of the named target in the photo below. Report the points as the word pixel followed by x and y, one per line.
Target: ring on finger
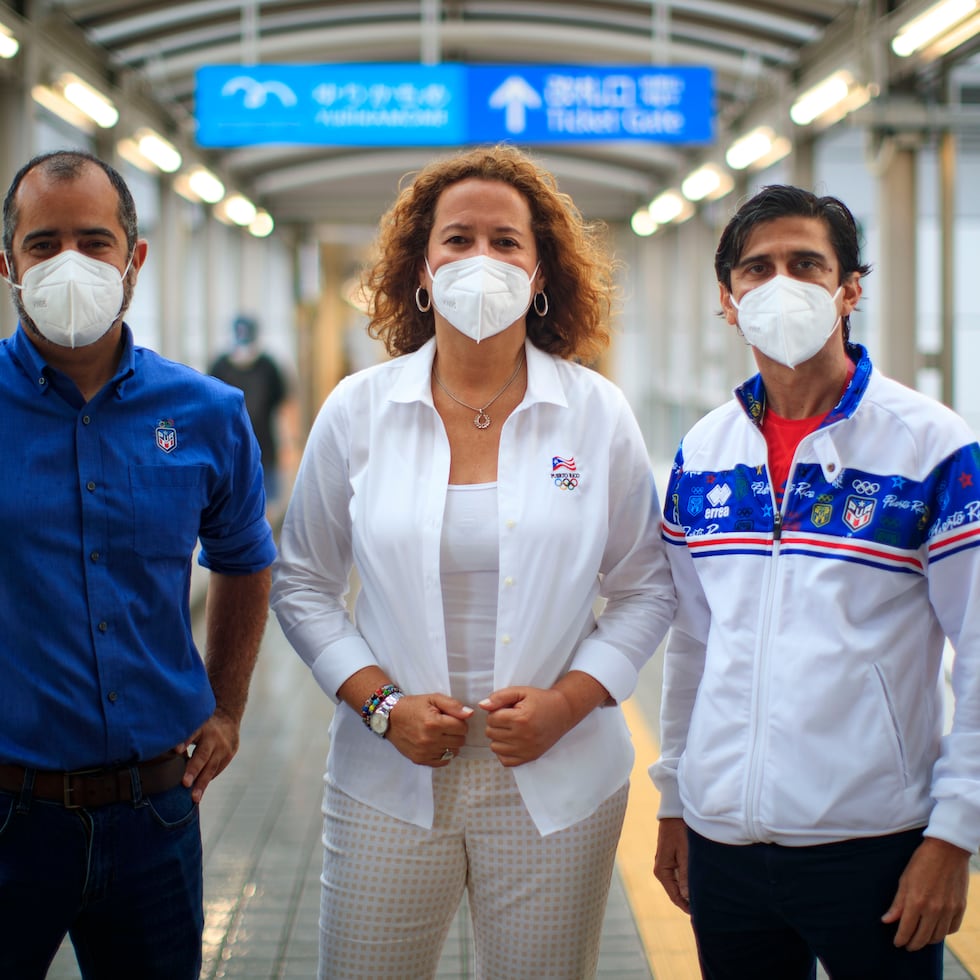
pixel 446 756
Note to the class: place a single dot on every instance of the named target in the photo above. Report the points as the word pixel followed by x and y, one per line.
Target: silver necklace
pixel 481 420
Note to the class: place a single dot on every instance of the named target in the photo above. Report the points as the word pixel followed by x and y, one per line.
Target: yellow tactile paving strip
pixel 663 928
pixel 965 944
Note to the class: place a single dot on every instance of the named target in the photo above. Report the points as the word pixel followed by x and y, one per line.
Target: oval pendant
pixel 482 420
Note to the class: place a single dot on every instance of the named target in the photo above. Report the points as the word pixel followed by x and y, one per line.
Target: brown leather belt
pixel 97 787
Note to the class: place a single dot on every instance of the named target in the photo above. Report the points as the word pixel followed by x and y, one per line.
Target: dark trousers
pixel 123 880
pixel 769 912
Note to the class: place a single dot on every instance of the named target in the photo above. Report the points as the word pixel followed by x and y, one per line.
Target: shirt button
pixel 831 467
pixel 113 696
pixel 86 419
pixel 90 485
pixel 505 639
pixel 42 381
pixel 511 522
pixel 95 556
pixel 508 581
pixel 103 626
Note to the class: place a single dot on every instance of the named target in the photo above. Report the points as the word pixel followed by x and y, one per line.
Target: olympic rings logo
pixel 565 482
pixel 866 487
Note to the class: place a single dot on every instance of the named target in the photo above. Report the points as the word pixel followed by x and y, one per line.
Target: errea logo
pixel 718 497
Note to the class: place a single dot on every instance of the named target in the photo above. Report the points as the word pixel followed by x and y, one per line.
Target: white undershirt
pixel 470 565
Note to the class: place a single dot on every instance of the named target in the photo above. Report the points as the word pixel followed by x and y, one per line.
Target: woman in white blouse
pixel 488 489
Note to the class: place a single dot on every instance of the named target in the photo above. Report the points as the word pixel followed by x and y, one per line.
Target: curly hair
pixel 573 252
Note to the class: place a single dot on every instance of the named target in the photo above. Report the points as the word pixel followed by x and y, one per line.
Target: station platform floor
pixel 262 852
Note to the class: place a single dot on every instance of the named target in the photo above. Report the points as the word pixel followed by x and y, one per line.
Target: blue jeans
pixel 123 880
pixel 766 911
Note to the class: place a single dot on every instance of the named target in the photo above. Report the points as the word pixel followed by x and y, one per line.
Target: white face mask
pixel 72 299
pixel 481 296
pixel 788 320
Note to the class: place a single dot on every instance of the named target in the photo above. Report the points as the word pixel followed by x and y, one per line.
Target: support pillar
pixel 898 213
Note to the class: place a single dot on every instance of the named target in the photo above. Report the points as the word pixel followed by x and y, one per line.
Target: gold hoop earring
pixel 534 303
pixel 418 301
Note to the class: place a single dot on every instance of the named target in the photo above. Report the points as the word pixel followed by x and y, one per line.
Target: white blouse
pixel 577 519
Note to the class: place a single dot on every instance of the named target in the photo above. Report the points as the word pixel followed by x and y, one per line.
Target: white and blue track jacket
pixel 803 687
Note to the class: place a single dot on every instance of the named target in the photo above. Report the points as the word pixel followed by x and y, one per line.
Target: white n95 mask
pixel 72 299
pixel 788 320
pixel 480 296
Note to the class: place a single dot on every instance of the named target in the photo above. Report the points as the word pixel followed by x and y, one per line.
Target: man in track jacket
pixel 825 542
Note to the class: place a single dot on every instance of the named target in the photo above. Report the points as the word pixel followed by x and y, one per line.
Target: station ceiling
pixel 761 53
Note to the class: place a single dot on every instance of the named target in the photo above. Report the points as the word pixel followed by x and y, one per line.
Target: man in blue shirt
pixel 115 463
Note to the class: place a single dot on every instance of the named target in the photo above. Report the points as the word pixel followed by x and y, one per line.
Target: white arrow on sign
pixel 516 96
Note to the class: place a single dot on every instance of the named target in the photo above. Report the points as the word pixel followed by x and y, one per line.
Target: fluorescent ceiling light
pixel 262 224
pixel 200 184
pixel 642 223
pixel 206 185
pixel 759 148
pixel 707 182
pixel 56 103
pixel 921 31
pixel 670 206
pixel 160 152
pixel 962 32
pixel 9 45
pixel 150 152
pixel 93 103
pixel 821 98
pixel 238 209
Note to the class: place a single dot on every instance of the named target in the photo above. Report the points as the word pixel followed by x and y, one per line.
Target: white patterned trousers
pixel 390 889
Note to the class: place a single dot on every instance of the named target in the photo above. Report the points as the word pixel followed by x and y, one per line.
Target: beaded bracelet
pixel 370 706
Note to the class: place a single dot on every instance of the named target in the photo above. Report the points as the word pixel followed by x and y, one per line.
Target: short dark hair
pixel 781 201
pixel 69 165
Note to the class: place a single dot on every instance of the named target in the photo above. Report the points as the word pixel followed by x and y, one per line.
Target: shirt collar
pixel 543 382
pixel 752 394
pixel 33 362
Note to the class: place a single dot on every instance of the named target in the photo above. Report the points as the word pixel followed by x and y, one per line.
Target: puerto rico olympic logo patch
pixel 858 512
pixel 166 435
pixel 564 473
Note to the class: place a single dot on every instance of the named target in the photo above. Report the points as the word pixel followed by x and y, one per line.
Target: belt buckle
pixel 67 791
pixel 68 788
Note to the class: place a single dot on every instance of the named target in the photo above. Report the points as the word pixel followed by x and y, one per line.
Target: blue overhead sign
pixel 578 103
pixel 450 104
pixel 360 105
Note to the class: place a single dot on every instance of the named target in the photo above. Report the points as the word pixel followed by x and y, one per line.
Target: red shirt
pixel 784 435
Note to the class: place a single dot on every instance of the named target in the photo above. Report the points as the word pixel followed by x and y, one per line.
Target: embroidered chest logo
pixel 564 473
pixel 859 508
pixel 166 435
pixel 718 498
pixel 822 511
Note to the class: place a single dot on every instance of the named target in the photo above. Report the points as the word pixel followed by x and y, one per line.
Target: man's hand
pixel 670 864
pixel 931 897
pixel 215 744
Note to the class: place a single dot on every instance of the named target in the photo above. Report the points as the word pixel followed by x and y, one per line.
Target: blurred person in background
pixel 255 372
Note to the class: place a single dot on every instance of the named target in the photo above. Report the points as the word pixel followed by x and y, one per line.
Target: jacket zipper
pixel 753 790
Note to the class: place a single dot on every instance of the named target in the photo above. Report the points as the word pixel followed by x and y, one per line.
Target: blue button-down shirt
pixel 102 504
